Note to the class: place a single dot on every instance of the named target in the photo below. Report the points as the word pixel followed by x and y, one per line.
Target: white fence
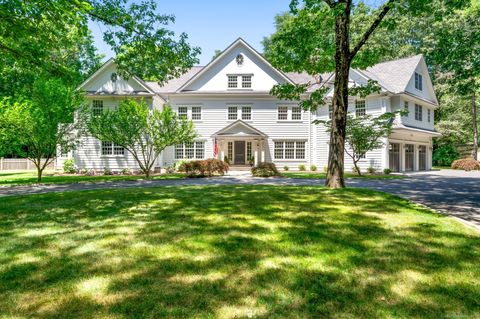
pixel 21 164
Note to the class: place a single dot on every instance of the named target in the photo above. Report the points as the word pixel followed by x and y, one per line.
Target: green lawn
pixel 233 252
pixel 311 175
pixel 20 178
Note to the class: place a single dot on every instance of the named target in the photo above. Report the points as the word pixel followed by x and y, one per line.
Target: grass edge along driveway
pixel 234 252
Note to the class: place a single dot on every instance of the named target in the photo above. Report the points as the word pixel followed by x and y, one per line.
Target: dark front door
pixel 239 153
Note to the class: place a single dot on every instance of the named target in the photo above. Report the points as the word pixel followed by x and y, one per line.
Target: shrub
pixel 226 160
pixel 302 167
pixel 445 155
pixel 325 169
pixel 107 171
pixel 286 168
pixel 126 171
pixel 180 166
pixel 208 167
pixel 69 166
pixel 467 164
pixel 265 169
pixel 313 168
pixel 371 170
pixel 387 171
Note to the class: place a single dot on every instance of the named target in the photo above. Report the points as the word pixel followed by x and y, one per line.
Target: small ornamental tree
pixel 364 133
pixel 143 132
pixel 35 128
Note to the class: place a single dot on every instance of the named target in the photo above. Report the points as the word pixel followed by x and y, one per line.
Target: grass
pixel 313 175
pixel 233 252
pixel 30 177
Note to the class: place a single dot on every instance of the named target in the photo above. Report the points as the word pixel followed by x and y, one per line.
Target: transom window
pixel 296 113
pixel 97 107
pixel 418 81
pixel 110 148
pixel 232 81
pixel 360 109
pixel 246 81
pixel 289 150
pixel 192 150
pixel 183 112
pixel 418 112
pixel 283 113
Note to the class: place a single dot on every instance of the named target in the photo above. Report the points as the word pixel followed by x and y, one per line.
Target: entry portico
pixel 240 143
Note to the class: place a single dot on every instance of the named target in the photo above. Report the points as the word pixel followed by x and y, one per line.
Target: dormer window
pixel 418 81
pixel 236 81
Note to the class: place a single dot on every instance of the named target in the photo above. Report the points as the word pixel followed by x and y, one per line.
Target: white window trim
pixel 239 82
pixel 289 113
pixel 364 107
pixel 190 111
pixel 194 151
pixel 295 159
pixel 113 155
pixel 420 77
pixel 239 107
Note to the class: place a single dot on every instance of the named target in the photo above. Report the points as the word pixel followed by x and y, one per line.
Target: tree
pixel 365 133
pixel 35 127
pixel 321 36
pixel 216 54
pixel 144 133
pixel 30 31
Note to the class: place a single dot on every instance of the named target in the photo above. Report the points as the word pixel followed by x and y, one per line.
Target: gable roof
pixel 393 75
pixel 236 43
pixel 147 89
pixel 245 130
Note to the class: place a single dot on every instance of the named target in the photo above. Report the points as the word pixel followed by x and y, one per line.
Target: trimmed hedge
pixel 467 164
pixel 204 168
pixel 265 169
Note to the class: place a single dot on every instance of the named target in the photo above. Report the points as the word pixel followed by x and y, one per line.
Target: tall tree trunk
pixel 475 127
pixel 335 172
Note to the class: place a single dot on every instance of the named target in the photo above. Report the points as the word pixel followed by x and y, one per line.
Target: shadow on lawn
pixel 233 252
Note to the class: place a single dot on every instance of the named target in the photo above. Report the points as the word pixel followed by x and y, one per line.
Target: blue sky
pixel 214 24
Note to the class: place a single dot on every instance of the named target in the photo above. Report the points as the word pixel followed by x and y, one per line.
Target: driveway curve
pixel 454 193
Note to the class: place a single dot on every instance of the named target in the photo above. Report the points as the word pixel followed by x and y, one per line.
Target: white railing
pixel 21 164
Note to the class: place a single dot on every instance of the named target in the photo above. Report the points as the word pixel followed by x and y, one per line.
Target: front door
pixel 239 153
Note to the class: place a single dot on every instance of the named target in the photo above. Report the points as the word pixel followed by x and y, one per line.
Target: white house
pixel 229 102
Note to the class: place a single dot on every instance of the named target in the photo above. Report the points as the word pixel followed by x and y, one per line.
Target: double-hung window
pixel 97 107
pixel 289 150
pixel 296 113
pixel 183 112
pixel 360 108
pixel 406 107
pixel 246 113
pixel 428 115
pixel 246 81
pixel 418 112
pixel 232 81
pixel 418 81
pixel 330 111
pixel 196 113
pixel 192 150
pixel 110 148
pixel 232 113
pixel 282 113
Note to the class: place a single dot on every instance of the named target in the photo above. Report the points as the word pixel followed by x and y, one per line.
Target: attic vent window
pixel 239 59
pixel 114 77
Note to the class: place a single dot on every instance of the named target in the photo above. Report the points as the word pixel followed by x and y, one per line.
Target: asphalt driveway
pixel 455 193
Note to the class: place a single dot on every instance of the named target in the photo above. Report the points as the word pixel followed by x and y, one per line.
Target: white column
pixel 402 157
pixel 416 157
pixel 256 155
pixel 262 145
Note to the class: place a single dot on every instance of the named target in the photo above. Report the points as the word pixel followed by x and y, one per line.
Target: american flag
pixel 215 149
